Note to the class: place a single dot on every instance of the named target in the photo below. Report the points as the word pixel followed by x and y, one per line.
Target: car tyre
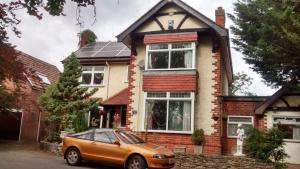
pixel 136 162
pixel 73 156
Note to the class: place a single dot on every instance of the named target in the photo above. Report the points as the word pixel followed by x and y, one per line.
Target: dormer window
pixel 170 56
pixel 92 75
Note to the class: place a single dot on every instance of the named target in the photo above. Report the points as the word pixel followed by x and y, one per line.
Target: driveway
pixel 28 156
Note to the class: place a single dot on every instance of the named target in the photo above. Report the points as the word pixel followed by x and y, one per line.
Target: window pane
pixel 98 78
pixel 296 133
pixel 87 68
pixel 87 136
pixel 287 129
pixel 101 137
pixel 181 59
pixel 158 60
pixel 99 68
pixel 181 45
pixel 156 94
pixel 158 46
pixel 232 128
pixel 111 136
pixel 86 78
pixel 179 116
pixel 180 95
pixel 156 114
pixel 240 119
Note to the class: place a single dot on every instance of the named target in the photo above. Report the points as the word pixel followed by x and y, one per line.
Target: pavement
pixel 14 155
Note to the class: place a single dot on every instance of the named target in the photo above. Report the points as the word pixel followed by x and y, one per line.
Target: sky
pixel 54 37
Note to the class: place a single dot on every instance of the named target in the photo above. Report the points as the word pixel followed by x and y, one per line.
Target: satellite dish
pixel 141 64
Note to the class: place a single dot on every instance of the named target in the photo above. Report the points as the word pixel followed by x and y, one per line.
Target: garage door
pixel 10 125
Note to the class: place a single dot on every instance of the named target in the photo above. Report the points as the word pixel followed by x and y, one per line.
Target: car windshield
pixel 129 138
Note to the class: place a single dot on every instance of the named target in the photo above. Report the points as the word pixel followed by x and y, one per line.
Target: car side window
pixel 101 137
pixel 87 136
pixel 111 136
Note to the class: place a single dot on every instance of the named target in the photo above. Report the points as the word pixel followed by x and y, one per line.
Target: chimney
pixel 84 36
pixel 220 17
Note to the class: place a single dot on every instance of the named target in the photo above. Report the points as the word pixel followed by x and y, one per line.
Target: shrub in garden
pixel 198 137
pixel 266 145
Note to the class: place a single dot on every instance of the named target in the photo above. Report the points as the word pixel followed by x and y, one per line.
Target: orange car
pixel 115 147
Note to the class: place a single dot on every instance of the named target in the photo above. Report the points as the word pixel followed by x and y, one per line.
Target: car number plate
pixel 171 160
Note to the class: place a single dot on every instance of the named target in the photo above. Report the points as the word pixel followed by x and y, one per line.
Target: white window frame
pixel 167 98
pixel 92 78
pixel 126 78
pixel 228 122
pixel 193 48
pixel 297 124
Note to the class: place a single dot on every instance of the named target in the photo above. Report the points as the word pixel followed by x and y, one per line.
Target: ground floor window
pixel 169 111
pixel 289 125
pixel 233 121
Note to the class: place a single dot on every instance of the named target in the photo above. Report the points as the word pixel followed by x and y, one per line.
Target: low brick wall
pixel 188 161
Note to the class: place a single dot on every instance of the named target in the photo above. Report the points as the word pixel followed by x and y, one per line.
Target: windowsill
pixel 92 85
pixel 232 137
pixel 169 132
pixel 291 141
pixel 181 71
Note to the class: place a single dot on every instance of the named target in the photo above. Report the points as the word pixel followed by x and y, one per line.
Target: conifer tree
pixel 67 101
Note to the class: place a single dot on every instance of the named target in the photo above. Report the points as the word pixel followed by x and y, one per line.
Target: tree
pixel 240 85
pixel 267 32
pixel 67 101
pixel 10 68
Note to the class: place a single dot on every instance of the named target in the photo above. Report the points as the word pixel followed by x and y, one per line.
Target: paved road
pixel 27 156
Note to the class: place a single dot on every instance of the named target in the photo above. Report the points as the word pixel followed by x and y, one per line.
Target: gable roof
pixel 120 98
pixel 271 100
pixel 219 30
pixel 103 50
pixel 39 67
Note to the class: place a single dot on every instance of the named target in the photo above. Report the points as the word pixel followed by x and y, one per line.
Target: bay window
pixel 289 125
pixel 169 111
pixel 92 75
pixel 170 56
pixel 233 121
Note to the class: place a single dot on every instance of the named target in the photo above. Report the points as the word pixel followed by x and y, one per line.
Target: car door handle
pixel 93 142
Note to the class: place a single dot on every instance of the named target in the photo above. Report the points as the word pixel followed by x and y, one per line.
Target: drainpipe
pixel 39 126
pixel 107 88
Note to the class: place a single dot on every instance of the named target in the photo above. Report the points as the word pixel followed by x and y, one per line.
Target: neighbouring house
pixel 26 121
pixel 105 66
pixel 169 74
pixel 281 110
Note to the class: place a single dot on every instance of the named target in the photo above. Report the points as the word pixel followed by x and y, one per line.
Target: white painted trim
pixel 92 72
pixel 89 119
pixel 167 98
pixel 192 48
pixel 21 125
pixel 252 122
pixel 101 121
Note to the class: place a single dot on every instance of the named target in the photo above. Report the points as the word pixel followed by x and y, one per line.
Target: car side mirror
pixel 117 142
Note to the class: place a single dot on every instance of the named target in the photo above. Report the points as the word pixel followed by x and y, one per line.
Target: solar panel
pixel 104 49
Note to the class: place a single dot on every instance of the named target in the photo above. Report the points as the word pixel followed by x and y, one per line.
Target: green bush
pixel 266 145
pixel 198 137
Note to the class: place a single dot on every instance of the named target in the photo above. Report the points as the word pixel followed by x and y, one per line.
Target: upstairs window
pixel 92 75
pixel 170 56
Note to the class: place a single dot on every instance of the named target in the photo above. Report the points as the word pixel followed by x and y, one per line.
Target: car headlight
pixel 159 156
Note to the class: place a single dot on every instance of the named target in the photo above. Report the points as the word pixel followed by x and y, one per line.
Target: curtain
pixel 186 125
pixel 188 59
pixel 296 132
pixel 148 115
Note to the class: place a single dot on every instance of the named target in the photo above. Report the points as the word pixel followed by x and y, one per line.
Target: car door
pixel 106 151
pixel 84 143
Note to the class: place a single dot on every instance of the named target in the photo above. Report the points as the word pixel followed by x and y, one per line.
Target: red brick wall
pixel 178 82
pixel 174 37
pixel 238 108
pixel 169 140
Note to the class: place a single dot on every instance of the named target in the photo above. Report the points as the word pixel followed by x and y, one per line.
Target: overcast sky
pixel 54 38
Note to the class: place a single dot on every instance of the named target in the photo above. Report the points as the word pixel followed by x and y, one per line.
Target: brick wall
pixel 177 82
pixel 238 108
pixel 174 37
pixel 169 140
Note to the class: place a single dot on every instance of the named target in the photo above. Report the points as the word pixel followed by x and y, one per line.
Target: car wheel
pixel 73 156
pixel 136 162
